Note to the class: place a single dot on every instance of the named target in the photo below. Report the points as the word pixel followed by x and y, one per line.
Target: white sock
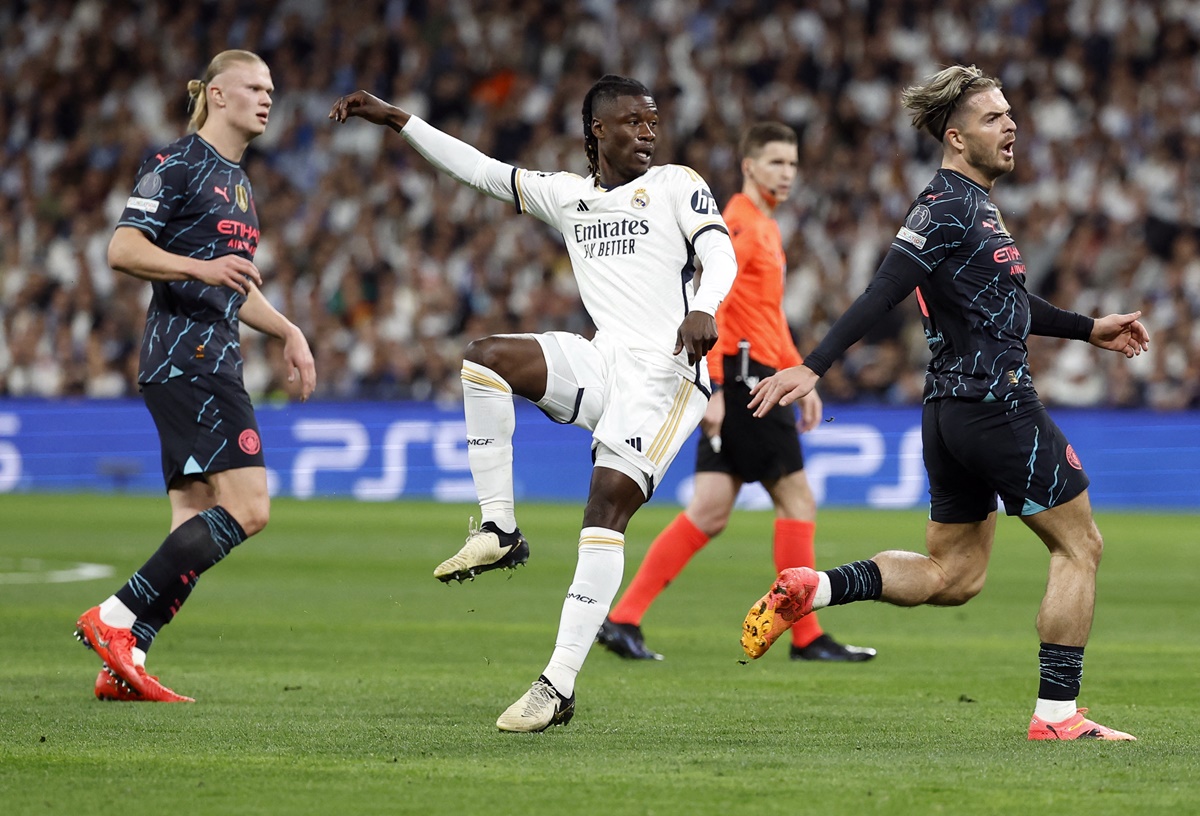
pixel 823 594
pixel 139 656
pixel 114 613
pixel 1054 711
pixel 597 579
pixel 491 421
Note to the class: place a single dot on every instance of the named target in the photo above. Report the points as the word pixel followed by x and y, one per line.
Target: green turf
pixel 335 675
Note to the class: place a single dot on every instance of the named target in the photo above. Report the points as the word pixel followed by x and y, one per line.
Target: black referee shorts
pixel 753 450
pixel 974 450
pixel 205 425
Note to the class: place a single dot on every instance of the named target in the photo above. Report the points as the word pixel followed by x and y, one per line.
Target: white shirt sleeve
pixel 719 265
pixel 700 220
pixel 461 161
pixel 542 194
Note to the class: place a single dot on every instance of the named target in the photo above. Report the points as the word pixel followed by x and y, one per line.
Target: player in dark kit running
pixel 191 229
pixel 983 427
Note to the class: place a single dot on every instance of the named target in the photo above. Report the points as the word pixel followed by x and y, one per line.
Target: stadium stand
pixel 389 285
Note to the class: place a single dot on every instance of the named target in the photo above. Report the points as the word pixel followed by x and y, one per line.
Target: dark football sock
pixel 156 591
pixel 160 613
pixel 859 581
pixel 1061 670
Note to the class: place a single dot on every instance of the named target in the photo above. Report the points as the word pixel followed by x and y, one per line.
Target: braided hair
pixel 607 89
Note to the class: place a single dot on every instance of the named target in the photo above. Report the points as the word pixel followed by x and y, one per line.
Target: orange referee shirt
pixel 753 309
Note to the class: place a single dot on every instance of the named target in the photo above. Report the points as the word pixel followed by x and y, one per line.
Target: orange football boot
pixel 112 644
pixel 1076 727
pixel 153 691
pixel 789 600
pixel 108 688
pixel 115 645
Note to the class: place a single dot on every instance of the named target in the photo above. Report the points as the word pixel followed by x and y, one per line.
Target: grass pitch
pixel 335 675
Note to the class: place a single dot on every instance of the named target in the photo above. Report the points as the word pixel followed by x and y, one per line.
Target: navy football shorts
pixel 205 425
pixel 975 450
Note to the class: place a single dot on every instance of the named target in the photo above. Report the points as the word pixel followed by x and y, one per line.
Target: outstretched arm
pixel 1116 332
pixel 897 276
pixel 370 107
pixel 454 157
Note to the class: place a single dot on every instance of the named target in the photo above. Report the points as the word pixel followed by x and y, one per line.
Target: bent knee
pixel 486 351
pixel 251 517
pixel 1087 548
pixel 956 591
pixel 712 529
pixel 257 524
pixel 708 521
pixel 957 595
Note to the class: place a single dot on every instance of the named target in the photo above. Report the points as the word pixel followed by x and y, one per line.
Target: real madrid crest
pixel 242 197
pixel 641 199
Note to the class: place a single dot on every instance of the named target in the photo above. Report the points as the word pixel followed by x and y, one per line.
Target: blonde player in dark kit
pixel 191 229
pixel 640 385
pixel 984 429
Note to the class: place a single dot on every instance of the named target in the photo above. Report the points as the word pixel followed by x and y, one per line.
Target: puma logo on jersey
pixel 222 193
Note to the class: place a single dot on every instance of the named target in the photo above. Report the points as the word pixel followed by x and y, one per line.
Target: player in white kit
pixel 634 234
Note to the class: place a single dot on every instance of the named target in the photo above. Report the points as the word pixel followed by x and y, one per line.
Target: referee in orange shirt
pixel 736 448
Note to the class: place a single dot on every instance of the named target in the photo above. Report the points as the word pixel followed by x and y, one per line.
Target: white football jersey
pixel 631 247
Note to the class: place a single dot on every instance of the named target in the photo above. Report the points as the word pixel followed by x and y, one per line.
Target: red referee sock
pixel 666 558
pixel 794 548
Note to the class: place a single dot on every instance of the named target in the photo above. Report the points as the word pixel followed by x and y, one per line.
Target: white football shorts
pixel 639 412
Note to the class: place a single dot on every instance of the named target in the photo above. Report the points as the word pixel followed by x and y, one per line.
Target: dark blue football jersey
pixel 191 201
pixel 973 301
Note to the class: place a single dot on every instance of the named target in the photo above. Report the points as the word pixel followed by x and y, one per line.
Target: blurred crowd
pixel 390 269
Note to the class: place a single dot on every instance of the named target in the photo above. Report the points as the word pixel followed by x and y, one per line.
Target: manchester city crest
pixel 242 197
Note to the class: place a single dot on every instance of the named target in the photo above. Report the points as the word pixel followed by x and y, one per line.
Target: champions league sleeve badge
pixel 149 185
pixel 917 220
